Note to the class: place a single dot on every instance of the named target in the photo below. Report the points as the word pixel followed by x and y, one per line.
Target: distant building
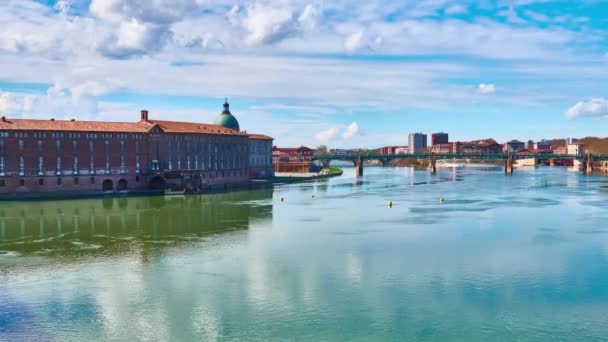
pixel 402 150
pixel 260 156
pixel 340 152
pixel 484 146
pixel 294 160
pixel 514 146
pixel 442 148
pixel 417 142
pixel 389 150
pixel 439 138
pixel 571 141
pixel 562 150
pixel 543 145
pixel 575 149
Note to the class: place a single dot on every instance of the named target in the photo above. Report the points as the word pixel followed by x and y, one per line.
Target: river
pixel 502 258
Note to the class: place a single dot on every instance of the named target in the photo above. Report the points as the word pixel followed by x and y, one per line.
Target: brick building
pixel 60 156
pixel 439 138
pixel 292 160
pixel 260 156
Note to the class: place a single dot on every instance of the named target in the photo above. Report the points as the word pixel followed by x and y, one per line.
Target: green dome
pixel 226 119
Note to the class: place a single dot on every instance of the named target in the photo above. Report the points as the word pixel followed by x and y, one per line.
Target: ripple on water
pixel 9 254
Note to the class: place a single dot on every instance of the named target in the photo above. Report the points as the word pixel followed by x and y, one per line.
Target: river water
pixel 503 258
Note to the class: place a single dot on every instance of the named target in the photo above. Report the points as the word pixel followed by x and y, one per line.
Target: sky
pixel 341 73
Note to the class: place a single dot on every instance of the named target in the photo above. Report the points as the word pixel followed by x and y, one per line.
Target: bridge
pixel 509 158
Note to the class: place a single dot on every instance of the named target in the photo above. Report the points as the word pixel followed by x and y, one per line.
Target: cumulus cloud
pixel 351 130
pixel 149 11
pixel 267 24
pixel 486 88
pixel 595 108
pixel 135 38
pixel 326 135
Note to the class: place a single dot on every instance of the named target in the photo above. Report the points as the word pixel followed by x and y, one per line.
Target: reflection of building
pixel 260 156
pixel 514 146
pixel 439 138
pixel 288 159
pixel 575 149
pixel 417 142
pixel 42 156
pixel 99 222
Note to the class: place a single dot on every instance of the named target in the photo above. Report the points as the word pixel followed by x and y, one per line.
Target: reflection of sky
pixel 502 257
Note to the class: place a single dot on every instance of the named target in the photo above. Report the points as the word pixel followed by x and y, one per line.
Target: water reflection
pixel 114 225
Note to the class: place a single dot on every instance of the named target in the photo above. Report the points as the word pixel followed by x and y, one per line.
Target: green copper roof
pixel 226 119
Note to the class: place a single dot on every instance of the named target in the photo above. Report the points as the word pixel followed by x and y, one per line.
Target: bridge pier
pixel 384 162
pixel 589 164
pixel 552 162
pixel 509 164
pixel 359 167
pixel 433 164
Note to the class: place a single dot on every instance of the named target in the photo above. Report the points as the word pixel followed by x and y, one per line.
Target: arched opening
pixel 122 185
pixel 107 185
pixel 157 183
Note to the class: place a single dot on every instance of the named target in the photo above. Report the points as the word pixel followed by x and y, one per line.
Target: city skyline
pixel 313 73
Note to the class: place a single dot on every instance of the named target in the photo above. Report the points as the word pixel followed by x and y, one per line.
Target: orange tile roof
pixel 192 127
pixel 74 126
pixel 260 137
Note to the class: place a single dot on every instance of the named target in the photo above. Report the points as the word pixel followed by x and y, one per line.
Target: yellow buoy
pixel 440 199
pixel 390 204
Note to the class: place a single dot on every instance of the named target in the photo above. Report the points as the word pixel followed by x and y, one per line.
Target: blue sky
pixel 343 73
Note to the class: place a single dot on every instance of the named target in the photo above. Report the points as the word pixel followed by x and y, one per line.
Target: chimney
pixel 144 115
pixel 4 119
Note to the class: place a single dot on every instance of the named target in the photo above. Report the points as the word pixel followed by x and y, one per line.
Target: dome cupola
pixel 226 119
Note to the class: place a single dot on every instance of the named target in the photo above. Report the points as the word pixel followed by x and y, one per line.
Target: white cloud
pixel 326 135
pixel 597 107
pixel 486 88
pixel 267 24
pixel 308 17
pixel 135 38
pixel 456 9
pixel 354 42
pixel 351 130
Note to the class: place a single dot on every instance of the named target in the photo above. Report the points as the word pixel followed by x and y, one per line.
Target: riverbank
pixel 255 184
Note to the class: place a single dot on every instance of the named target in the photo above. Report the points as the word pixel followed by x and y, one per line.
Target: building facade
pixel 514 146
pixel 442 148
pixel 575 149
pixel 417 142
pixel 390 150
pixel 293 160
pixel 61 156
pixel 260 156
pixel 439 138
pixel 484 146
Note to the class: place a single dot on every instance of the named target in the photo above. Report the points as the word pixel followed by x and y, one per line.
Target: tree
pixel 322 150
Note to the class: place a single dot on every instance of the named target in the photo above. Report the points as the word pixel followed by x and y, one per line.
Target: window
pixel 2 182
pixel 58 181
pixel 21 182
pixel 76 181
pixel 136 179
pixel 92 180
pixel 41 181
